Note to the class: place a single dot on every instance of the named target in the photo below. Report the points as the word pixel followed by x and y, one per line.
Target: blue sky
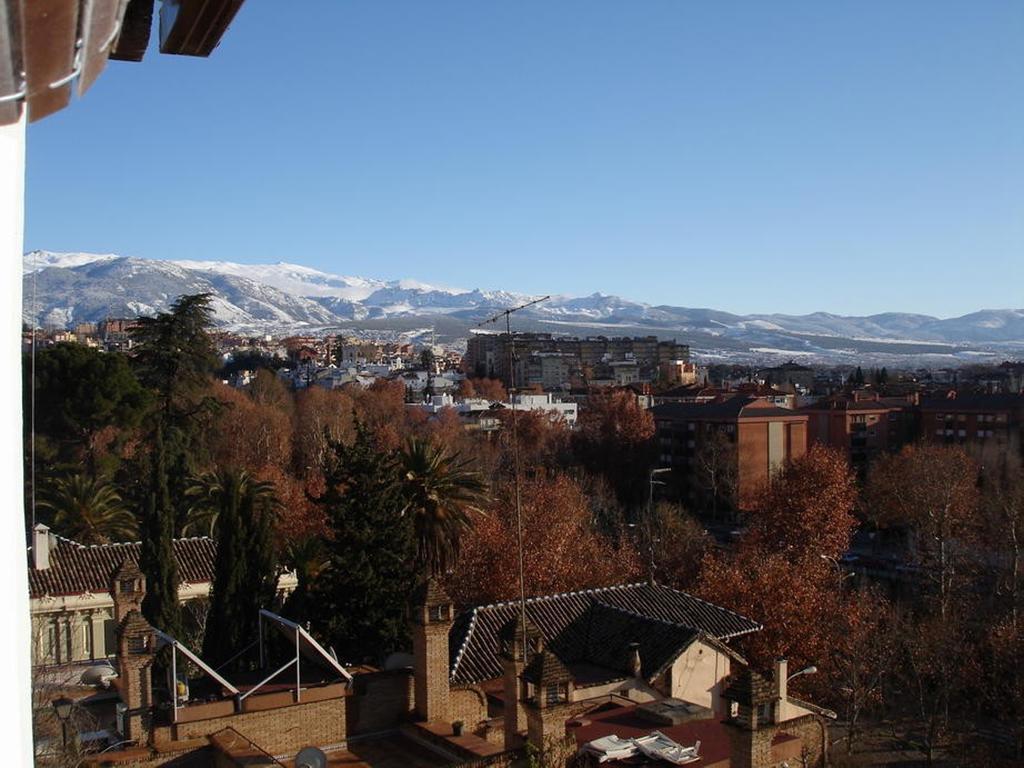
pixel 748 156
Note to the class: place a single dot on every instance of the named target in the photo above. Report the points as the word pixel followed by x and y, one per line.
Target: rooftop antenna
pixel 507 314
pixel 32 395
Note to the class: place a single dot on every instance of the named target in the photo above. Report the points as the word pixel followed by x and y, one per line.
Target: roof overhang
pixel 48 45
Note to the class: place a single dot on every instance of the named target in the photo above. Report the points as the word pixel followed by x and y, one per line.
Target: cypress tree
pixel 245 572
pixel 370 570
pixel 157 561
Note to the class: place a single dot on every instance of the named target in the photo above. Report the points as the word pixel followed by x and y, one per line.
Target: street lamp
pixel 821 721
pixel 650 513
pixel 62 707
pixel 805 671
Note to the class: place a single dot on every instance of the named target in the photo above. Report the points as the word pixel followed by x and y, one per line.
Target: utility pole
pixel 507 314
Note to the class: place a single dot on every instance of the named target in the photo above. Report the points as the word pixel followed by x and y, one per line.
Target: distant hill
pixel 282 298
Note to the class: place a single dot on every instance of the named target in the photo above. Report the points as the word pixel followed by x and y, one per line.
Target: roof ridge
pixel 539 598
pixel 637 615
pixel 112 544
pixel 760 626
pixel 462 648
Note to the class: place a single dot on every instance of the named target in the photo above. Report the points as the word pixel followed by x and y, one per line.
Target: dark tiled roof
pixel 732 408
pixel 612 630
pixel 576 625
pixel 76 569
pixel 748 687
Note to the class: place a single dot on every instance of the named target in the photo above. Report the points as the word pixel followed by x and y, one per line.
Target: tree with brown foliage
pixel 930 491
pixel 248 434
pixel 543 440
pixel 613 438
pixel 782 572
pixel 1002 523
pixel 679 544
pixel 860 659
pixel 806 511
pixel 561 550
pixel 796 602
pixel 321 416
pixel 488 389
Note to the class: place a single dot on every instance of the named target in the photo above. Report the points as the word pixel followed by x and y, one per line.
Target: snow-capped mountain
pixel 75 287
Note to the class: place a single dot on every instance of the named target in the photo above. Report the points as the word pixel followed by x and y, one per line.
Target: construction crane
pixel 507 314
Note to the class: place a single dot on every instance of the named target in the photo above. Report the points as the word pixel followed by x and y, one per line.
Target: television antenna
pixel 507 314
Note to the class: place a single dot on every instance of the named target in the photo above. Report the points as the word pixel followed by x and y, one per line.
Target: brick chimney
pixel 516 647
pixel 431 621
pixel 136 649
pixel 128 588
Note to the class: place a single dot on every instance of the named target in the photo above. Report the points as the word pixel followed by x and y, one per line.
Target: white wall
pixel 16 724
pixel 696 674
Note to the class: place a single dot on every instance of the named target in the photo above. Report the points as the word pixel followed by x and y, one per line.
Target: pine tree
pixel 370 565
pixel 174 359
pixel 157 560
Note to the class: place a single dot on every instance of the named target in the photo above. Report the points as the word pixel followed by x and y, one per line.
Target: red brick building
pixel 989 426
pixel 861 424
pixel 742 439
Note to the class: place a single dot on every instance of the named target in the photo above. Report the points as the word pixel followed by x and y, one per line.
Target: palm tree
pixel 211 492
pixel 87 510
pixel 441 493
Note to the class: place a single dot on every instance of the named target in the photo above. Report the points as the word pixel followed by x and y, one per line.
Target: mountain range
pixel 62 289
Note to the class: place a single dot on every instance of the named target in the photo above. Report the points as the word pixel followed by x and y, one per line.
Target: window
pixel 68 642
pixel 127 586
pixel 764 712
pixel 552 694
pixel 87 638
pixel 51 641
pixel 438 612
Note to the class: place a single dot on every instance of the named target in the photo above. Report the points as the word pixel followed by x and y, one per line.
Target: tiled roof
pixel 580 625
pixel 731 408
pixel 76 568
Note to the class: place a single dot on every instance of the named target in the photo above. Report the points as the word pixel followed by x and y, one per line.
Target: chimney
pixel 781 689
pixel 40 547
pixel 635 668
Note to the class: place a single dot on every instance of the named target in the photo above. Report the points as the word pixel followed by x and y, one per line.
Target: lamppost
pixel 811 670
pixel 649 521
pixel 805 671
pixel 62 707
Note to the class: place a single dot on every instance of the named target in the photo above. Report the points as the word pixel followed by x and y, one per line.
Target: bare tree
pixel 716 470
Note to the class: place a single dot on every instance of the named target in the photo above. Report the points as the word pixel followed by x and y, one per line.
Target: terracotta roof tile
pixel 77 569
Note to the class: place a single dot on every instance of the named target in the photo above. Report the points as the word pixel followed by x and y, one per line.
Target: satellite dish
pixel 311 757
